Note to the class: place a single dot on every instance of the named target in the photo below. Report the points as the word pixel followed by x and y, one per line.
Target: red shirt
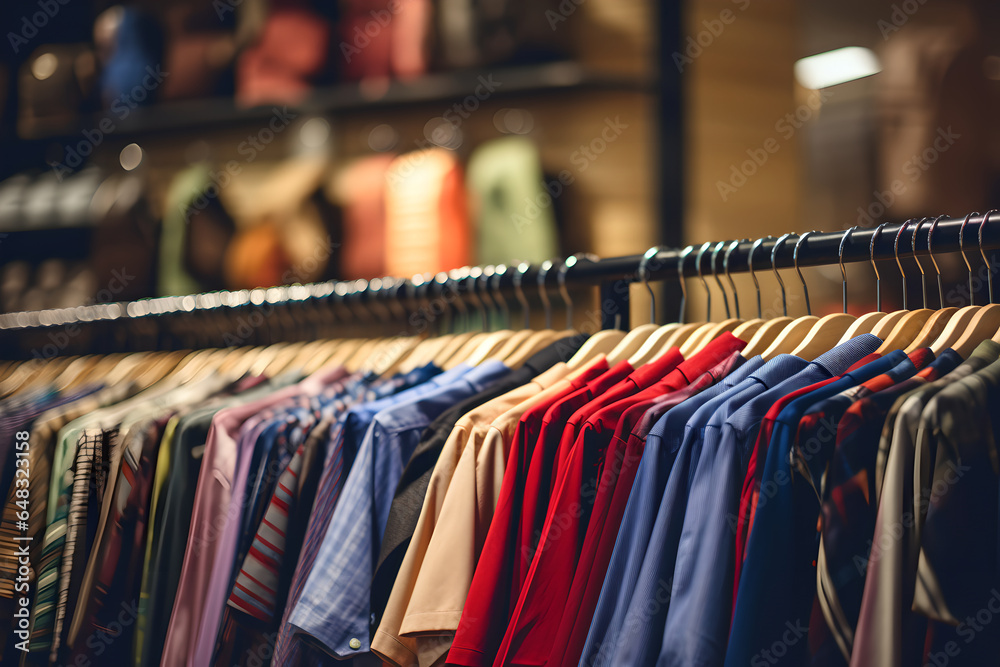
pixel 540 607
pixel 488 604
pixel 609 507
pixel 539 481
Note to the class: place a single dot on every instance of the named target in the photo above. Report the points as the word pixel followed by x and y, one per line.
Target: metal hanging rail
pixel 974 233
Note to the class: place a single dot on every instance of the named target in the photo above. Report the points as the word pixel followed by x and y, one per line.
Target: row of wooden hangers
pixel 960 329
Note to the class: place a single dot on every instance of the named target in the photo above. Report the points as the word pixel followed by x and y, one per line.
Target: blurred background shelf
pixel 203 115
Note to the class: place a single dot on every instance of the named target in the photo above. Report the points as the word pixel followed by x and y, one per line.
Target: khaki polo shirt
pixel 458 496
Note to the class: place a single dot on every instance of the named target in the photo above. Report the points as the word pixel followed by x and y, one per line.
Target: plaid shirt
pixel 71 531
pixel 252 603
pixel 345 437
pixel 335 606
pixel 119 552
pixel 957 485
pixel 42 435
pixel 889 583
pixel 847 519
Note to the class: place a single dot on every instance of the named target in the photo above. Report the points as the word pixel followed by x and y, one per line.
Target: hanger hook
pixel 570 262
pixel 472 279
pixel 498 297
pixel 542 293
pixel 519 272
pixel 708 293
pixel 840 258
pixel 895 252
pixel 715 274
pixel 795 261
pixel 725 267
pixel 930 251
pixel 986 260
pixel 913 249
pixel 644 277
pixel 961 248
pixel 878 278
pixel 777 276
pixel 753 248
pixel 486 296
pixel 680 275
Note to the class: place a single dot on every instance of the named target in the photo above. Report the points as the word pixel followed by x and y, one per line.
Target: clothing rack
pixel 23 334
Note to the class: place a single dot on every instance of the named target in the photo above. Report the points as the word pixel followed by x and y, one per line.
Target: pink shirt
pixel 215 522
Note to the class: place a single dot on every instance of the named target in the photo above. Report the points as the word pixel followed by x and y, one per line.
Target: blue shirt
pixel 777 586
pixel 677 418
pixel 340 452
pixel 640 511
pixel 335 605
pixel 658 458
pixel 656 584
pixel 697 625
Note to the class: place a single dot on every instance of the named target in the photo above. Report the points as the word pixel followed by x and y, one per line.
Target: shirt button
pixel 355 643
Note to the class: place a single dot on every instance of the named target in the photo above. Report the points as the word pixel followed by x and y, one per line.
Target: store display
pixel 666 496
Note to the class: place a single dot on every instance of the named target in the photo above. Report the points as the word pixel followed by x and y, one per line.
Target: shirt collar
pixel 839 359
pixel 988 350
pixel 777 370
pixel 655 370
pixel 485 374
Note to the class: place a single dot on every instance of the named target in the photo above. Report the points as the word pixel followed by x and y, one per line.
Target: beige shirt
pixel 441 557
pixel 442 584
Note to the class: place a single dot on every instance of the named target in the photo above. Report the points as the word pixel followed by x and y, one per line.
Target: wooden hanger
pixel 676 335
pixel 867 322
pixel 497 339
pixel 541 339
pixel 829 329
pixel 915 327
pixel 462 354
pixel 599 343
pixel 690 343
pixel 511 344
pixel 814 335
pixel 795 331
pixel 709 334
pixel 984 325
pixel 973 324
pixel 628 348
pixel 758 333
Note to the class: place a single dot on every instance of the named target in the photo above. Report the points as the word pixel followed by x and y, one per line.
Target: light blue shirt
pixel 334 608
pixel 697 624
pixel 656 584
